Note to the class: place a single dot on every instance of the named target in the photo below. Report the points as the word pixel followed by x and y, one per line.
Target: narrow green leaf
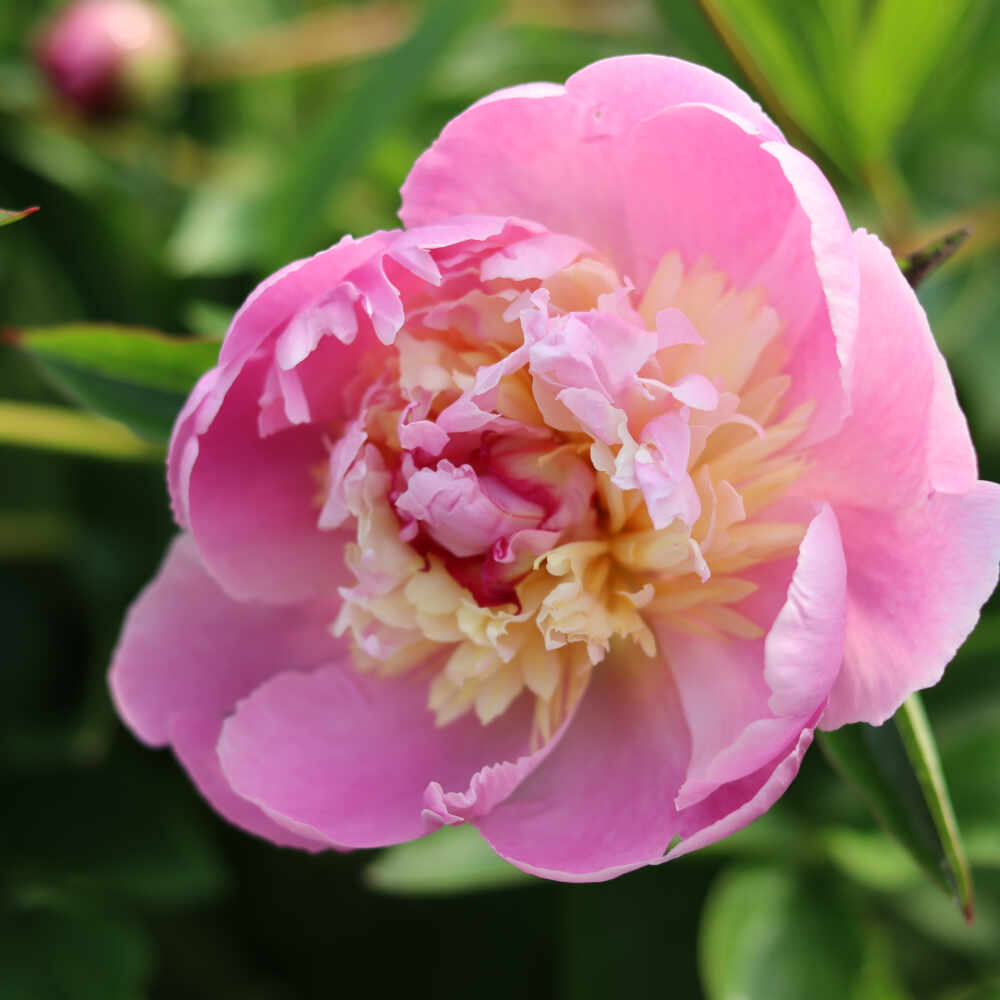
pixel 137 377
pixel 453 860
pixel 902 45
pixel 897 773
pixel 54 428
pixel 794 57
pixel 292 220
pixel 915 730
pixel 7 216
pixel 918 265
pixel 770 934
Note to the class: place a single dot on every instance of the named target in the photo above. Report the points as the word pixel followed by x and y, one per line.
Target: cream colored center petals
pixel 523 505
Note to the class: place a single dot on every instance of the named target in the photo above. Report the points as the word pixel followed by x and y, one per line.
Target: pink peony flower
pixel 101 55
pixel 570 510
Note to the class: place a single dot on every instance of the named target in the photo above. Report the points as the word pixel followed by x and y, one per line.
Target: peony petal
pixel 252 503
pixel 348 757
pixel 906 433
pixel 279 297
pixel 773 686
pixel 195 740
pixel 917 579
pixel 703 185
pixel 739 803
pixel 602 804
pixel 188 653
pixel 629 740
pixel 549 153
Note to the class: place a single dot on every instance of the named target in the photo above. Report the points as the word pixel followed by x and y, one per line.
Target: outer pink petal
pixel 542 151
pixel 702 183
pixel 602 803
pixel 347 757
pixel 917 578
pixel 251 502
pixel 772 686
pixel 906 433
pixel 646 155
pixel 188 653
pixel 739 803
pixel 284 293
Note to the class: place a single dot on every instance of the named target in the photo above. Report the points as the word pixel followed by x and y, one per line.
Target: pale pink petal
pixel 917 578
pixel 549 153
pixel 772 686
pixel 602 803
pixel 188 653
pixel 906 433
pixel 628 89
pixel 704 185
pixel 348 756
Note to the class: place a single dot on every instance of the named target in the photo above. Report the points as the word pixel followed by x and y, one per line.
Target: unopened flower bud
pixel 103 56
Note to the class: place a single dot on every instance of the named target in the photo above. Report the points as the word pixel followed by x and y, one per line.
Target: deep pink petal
pixel 252 503
pixel 278 297
pixel 188 653
pixel 917 578
pixel 739 803
pixel 195 740
pixel 348 757
pixel 772 686
pixel 906 434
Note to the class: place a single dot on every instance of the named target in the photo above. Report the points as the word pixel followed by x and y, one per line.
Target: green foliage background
pixel 116 881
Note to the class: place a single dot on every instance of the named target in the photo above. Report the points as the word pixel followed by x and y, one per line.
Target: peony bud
pixel 103 56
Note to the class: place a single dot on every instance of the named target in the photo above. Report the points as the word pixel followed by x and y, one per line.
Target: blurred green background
pixel 296 122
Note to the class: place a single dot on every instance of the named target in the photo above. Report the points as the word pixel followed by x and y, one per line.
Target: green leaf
pixel 49 949
pixel 292 220
pixel 918 738
pixel 138 834
pixel 56 428
pixel 896 769
pixel 903 44
pixel 767 934
pixel 918 265
pixel 7 216
pixel 138 377
pixel 795 56
pixel 453 860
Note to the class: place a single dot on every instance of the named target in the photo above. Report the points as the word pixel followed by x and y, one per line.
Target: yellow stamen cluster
pixel 611 578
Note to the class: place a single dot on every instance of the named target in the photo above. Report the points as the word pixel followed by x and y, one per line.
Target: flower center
pixel 543 468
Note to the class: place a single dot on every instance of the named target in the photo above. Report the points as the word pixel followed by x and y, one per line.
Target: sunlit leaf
pixel 903 44
pixel 795 59
pixel 896 769
pixel 55 428
pixel 453 860
pixel 137 377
